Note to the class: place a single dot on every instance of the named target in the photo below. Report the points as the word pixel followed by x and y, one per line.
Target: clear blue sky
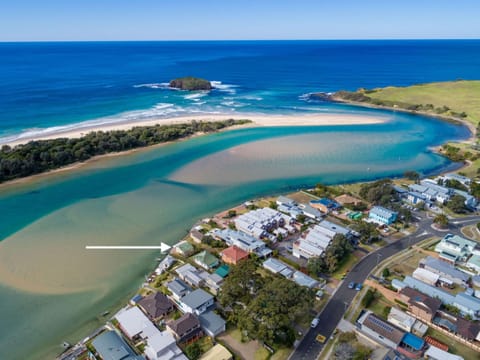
pixel 41 20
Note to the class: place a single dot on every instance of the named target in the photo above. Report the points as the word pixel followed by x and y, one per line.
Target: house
pixel 325 205
pixel 401 319
pixel 218 352
pixel 156 305
pixel 183 248
pixel 159 345
pixel 474 263
pixel 162 346
pixel 335 228
pixel 467 330
pixel 416 197
pixel 191 275
pixel 211 323
pixel 466 303
pixel 422 306
pixel 286 201
pixel 426 276
pixel 382 215
pixel 453 248
pixel 214 282
pixel 278 267
pixel 381 331
pixel 445 270
pixel 223 271
pixel 233 255
pixel 165 264
pixel 434 353
pixel 206 260
pixel 317 240
pixel 178 289
pixel 470 201
pixel 196 235
pixel 311 212
pixel 134 300
pixel 110 346
pixel 196 302
pixel 243 241
pixel 304 280
pixel 348 201
pixel 186 328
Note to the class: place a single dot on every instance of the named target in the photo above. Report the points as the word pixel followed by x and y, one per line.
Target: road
pixel 332 313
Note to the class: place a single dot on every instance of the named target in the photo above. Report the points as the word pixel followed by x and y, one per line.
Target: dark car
pixel 351 285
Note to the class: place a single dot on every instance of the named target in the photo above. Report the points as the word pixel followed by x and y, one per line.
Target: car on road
pixel 351 285
pixel 290 248
pixel 359 287
pixel 320 338
pixel 314 323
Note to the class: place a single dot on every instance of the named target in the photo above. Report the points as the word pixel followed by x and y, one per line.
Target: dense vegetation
pixel 380 192
pixel 40 156
pixel 334 254
pixel 191 83
pixel 349 348
pixel 264 308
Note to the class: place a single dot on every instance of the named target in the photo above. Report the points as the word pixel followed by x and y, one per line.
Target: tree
pixel 455 184
pixel 441 220
pixel 411 175
pixel 386 273
pixel 368 298
pixel 380 192
pixel 316 265
pixel 344 351
pixel 368 231
pixel 456 204
pixel 193 351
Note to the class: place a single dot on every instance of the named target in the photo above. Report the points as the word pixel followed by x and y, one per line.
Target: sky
pixel 107 20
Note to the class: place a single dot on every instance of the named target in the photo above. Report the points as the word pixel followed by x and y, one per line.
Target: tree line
pixel 39 156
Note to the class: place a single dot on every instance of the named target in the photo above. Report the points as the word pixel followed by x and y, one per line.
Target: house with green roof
pixel 184 248
pixel 223 271
pixel 206 260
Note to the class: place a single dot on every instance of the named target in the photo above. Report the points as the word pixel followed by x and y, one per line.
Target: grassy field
pixel 459 96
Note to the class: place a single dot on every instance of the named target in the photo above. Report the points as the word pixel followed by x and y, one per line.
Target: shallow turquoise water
pixel 156 195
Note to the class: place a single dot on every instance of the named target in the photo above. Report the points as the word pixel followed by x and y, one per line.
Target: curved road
pixel 333 312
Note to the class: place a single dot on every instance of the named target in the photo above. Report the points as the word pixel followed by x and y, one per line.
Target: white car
pixel 314 323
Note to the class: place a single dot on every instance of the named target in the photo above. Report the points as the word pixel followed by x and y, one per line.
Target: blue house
pixel 382 215
pixel 415 197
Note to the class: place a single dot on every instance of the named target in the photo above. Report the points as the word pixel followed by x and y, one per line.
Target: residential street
pixel 333 312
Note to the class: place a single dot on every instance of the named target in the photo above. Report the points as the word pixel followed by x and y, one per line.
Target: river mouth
pixel 157 194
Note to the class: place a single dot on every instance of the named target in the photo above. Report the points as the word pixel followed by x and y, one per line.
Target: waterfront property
pixel 206 260
pixel 382 215
pixel 183 248
pixel 191 275
pixel 156 305
pixel 110 346
pixel 196 302
pixel 233 255
pixel 159 344
pixel 431 191
pixel 279 267
pixel 325 205
pixel 454 248
pixel 178 289
pixel 186 328
pixel 347 200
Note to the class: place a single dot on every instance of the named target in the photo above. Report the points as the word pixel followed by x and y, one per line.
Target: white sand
pixel 258 120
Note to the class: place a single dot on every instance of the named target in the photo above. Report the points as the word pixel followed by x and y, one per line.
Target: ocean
pixel 52 289
pixel 44 86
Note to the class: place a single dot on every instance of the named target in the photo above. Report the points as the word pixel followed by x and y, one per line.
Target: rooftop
pixel 304 280
pixel 110 346
pixel 413 341
pixel 383 328
pixel 223 271
pixel 206 258
pixel 383 212
pixel 196 298
pixel 156 304
pixel 211 321
pixel 444 268
pixel 235 253
pixel 184 324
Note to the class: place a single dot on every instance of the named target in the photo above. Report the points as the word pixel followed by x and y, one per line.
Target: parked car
pixel 359 287
pixel 351 285
pixel 290 248
pixel 314 323
pixel 320 338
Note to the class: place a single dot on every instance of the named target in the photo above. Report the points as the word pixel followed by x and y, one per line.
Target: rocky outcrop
pixel 191 83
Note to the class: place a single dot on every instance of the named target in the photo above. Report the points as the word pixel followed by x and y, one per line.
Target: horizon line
pixel 240 40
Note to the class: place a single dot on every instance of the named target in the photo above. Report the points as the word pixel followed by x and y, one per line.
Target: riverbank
pixel 320 119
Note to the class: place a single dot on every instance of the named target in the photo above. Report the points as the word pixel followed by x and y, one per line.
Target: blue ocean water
pixel 45 85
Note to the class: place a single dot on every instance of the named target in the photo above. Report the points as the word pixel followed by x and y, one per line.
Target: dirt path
pixel 245 351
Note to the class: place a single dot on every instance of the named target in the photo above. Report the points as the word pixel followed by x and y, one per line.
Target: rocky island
pixel 191 83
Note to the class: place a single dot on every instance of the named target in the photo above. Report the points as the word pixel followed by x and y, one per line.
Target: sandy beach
pixel 320 119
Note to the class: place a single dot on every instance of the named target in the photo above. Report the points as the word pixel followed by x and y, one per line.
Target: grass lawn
pixel 262 354
pixel 346 264
pixel 459 96
pixel 281 354
pixel 454 346
pixel 471 232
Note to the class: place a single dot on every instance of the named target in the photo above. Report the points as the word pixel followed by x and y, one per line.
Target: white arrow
pixel 163 247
